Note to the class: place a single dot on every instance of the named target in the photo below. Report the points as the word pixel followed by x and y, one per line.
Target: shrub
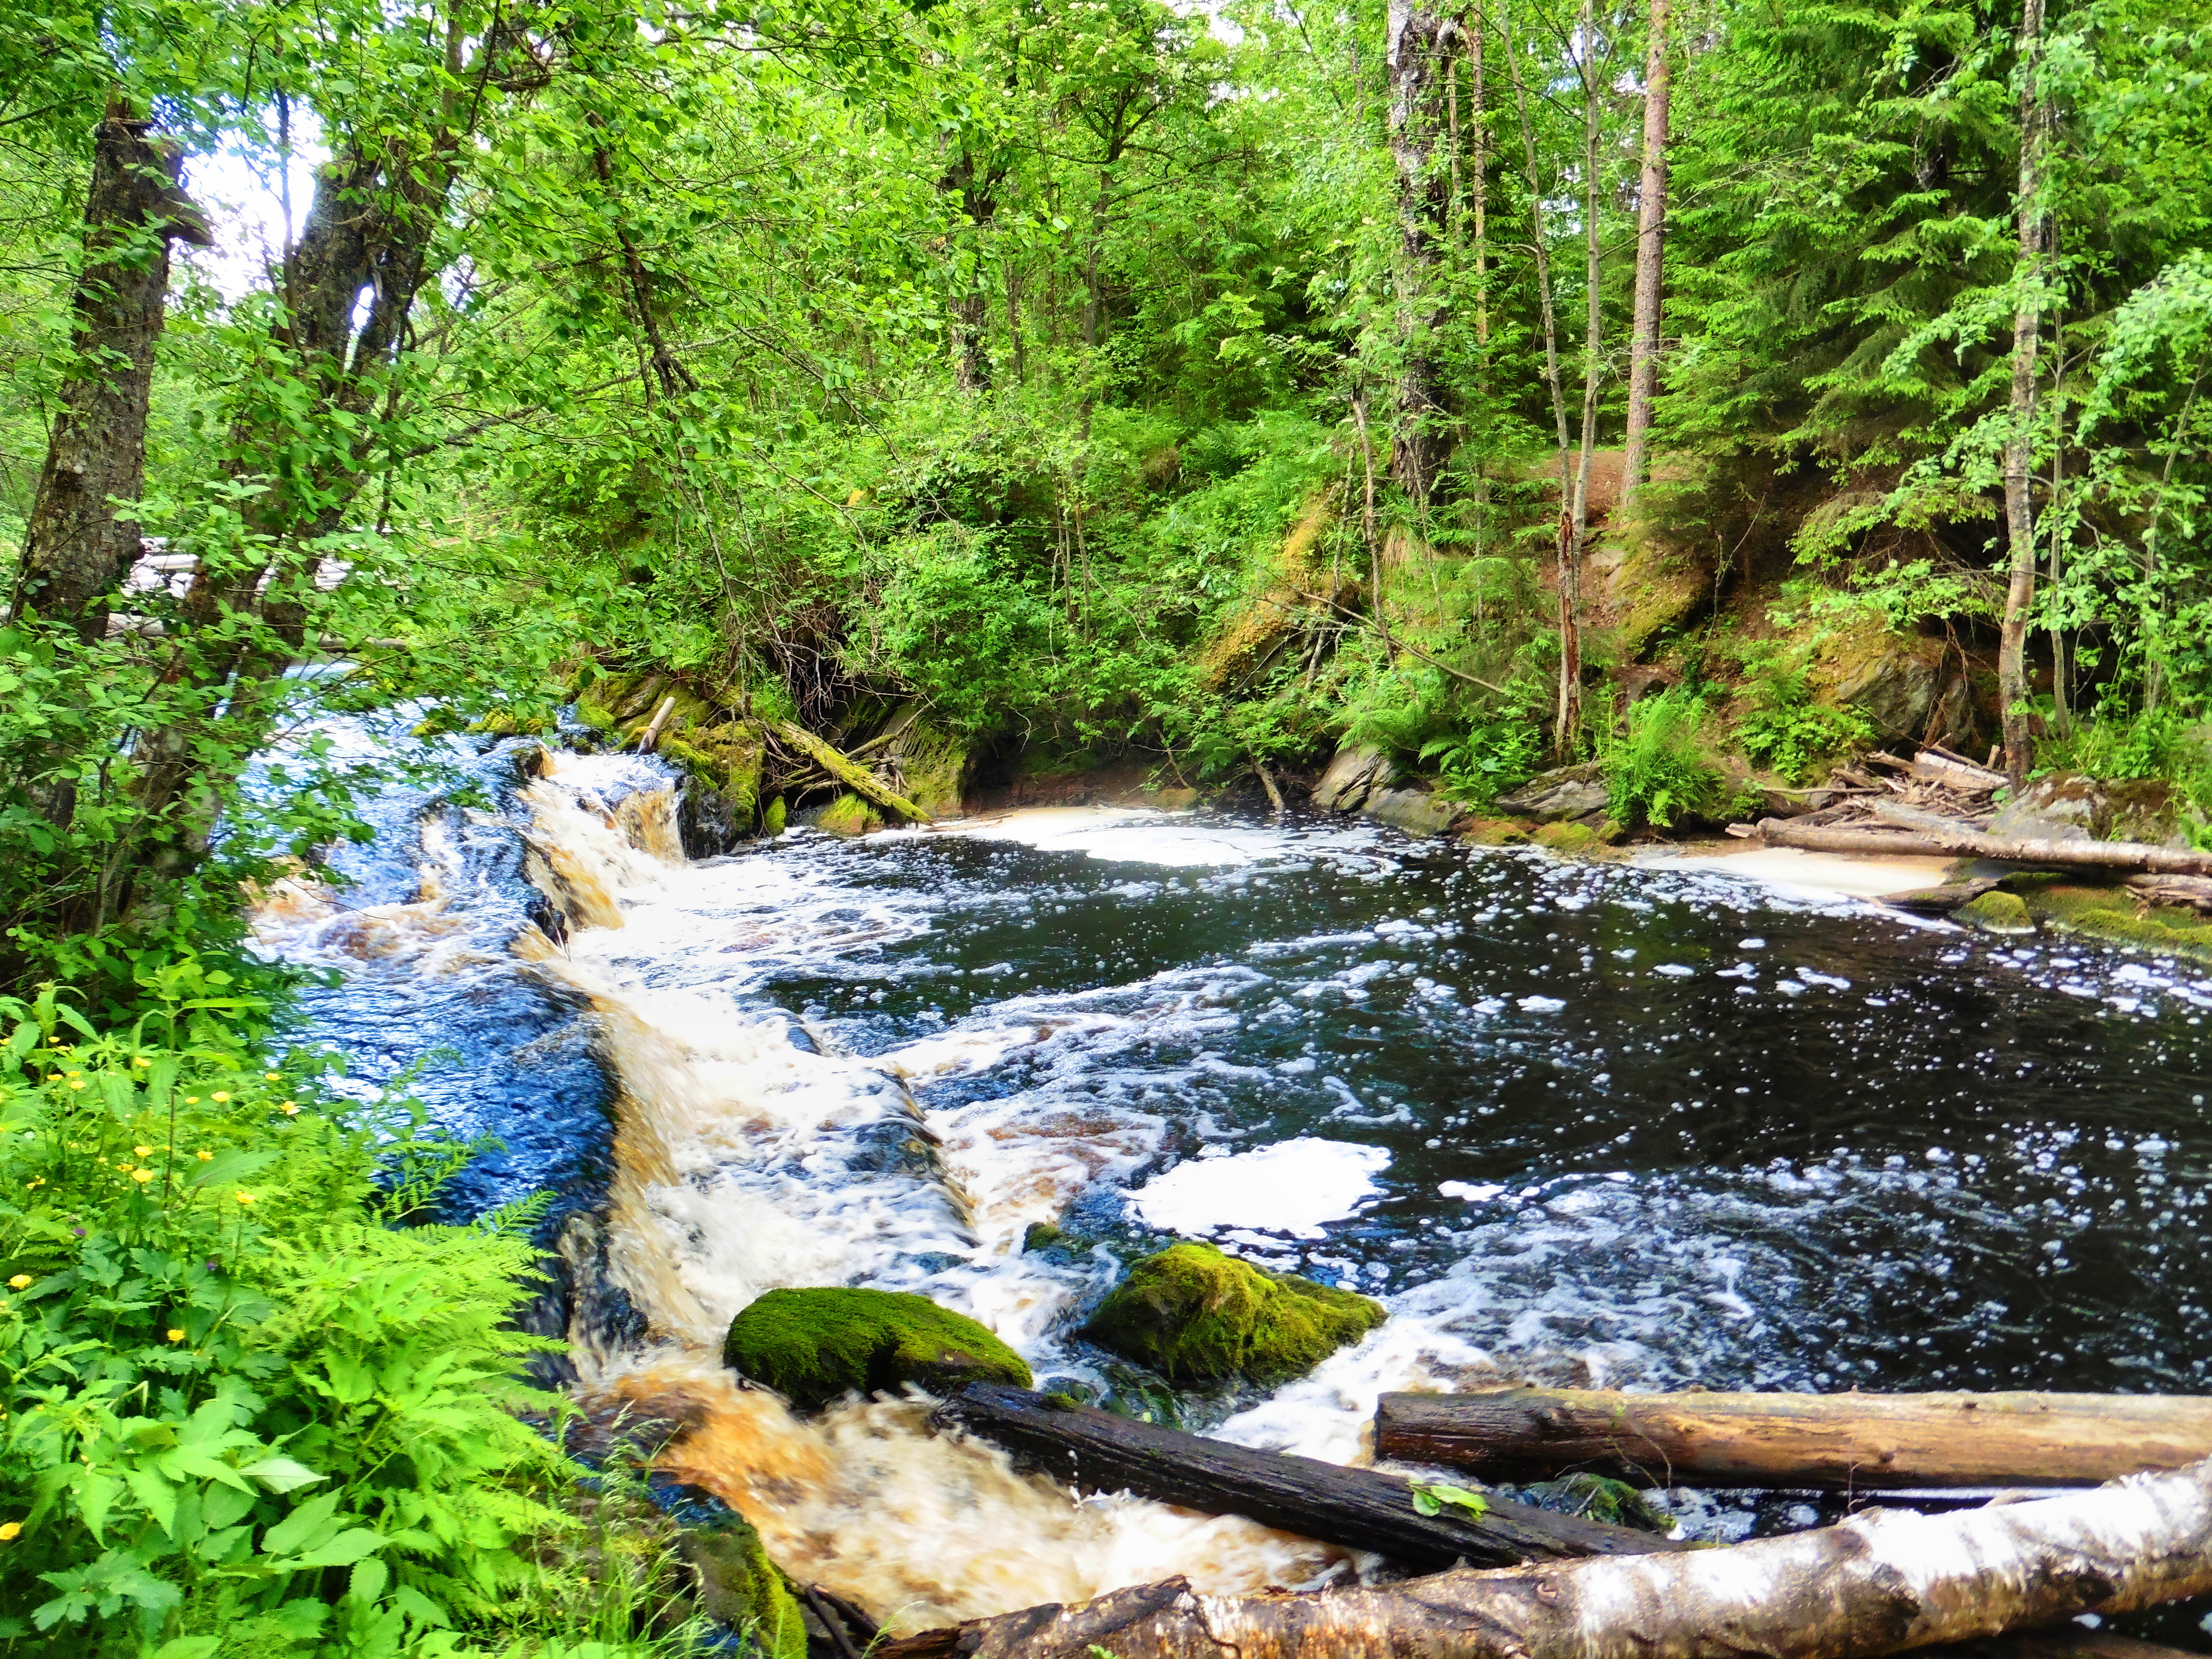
pixel 1655 769
pixel 244 1412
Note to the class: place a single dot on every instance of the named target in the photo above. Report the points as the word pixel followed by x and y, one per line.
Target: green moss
pixel 772 821
pixel 813 1345
pixel 1601 1497
pixel 848 814
pixel 2113 913
pixel 1995 913
pixel 1663 588
pixel 1494 832
pixel 935 764
pixel 741 1587
pixel 1196 1316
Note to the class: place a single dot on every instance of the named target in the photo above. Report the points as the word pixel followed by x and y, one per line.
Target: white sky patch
pixel 1292 1187
pixel 242 194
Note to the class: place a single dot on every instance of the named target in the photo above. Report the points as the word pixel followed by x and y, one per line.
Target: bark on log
pixel 1880 1583
pixel 855 777
pixel 1361 1508
pixel 1964 843
pixel 1842 1441
pixel 2193 892
pixel 1932 768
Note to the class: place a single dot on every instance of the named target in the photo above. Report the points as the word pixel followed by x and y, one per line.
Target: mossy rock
pixel 772 821
pixel 1601 1497
pixel 1493 832
pixel 935 764
pixel 811 1347
pixel 1577 840
pixel 1656 589
pixel 2115 913
pixel 849 815
pixel 1996 912
pixel 1196 1316
pixel 739 1586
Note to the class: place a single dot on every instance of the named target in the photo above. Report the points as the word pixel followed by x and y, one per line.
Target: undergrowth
pixel 246 1413
pixel 1656 768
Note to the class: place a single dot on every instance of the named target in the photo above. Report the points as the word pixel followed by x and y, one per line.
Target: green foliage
pixel 1431 1497
pixel 243 1413
pixel 1194 1314
pixel 1782 728
pixel 1658 769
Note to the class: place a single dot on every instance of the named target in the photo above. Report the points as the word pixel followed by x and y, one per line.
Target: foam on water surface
pixel 1292 1187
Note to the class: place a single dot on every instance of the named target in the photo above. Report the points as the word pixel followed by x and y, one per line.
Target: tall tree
pixel 2020 438
pixel 1418 42
pixel 77 549
pixel 1651 253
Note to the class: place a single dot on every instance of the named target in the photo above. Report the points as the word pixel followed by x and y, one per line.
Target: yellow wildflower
pixel 20 1282
pixel 272 1076
pixel 142 1060
pixel 288 1109
pixel 76 1083
pixel 142 1176
pixel 245 1198
pixel 143 1151
pixel 207 1157
pixel 176 1335
pixel 220 1095
pixel 192 1100
pixel 11 1531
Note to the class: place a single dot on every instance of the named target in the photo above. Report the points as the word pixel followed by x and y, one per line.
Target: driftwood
pixel 1968 843
pixel 2191 892
pixel 651 736
pixel 1882 1581
pixel 1361 1509
pixel 1954 774
pixel 1837 1441
pixel 848 771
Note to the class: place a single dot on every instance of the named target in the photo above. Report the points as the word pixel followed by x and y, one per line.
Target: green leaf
pixel 281 1474
pixel 1431 1497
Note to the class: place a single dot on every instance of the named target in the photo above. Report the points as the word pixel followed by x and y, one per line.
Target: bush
pixel 244 1412
pixel 1657 771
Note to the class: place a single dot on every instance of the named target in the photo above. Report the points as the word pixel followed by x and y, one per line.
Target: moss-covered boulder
pixel 1196 1316
pixel 813 1345
pixel 1995 913
pixel 2113 913
pixel 848 814
pixel 740 1588
pixel 935 765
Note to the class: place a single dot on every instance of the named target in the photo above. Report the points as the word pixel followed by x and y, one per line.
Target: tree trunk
pixel 970 310
pixel 1359 1509
pixel 77 550
pixel 1885 1580
pixel 1840 1442
pixel 1479 175
pixel 1968 843
pixel 1650 256
pixel 1567 717
pixel 1418 42
pixel 2020 444
pixel 1574 525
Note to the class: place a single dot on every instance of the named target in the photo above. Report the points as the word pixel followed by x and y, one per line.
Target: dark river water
pixel 1579 1124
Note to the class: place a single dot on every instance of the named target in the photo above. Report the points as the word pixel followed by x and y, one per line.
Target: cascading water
pixel 1572 1123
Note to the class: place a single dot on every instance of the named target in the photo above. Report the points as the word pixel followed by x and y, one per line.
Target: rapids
pixel 1574 1123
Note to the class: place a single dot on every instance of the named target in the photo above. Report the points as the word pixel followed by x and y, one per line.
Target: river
pixel 1576 1123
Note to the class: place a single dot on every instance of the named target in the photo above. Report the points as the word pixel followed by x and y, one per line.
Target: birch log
pixel 1972 844
pixel 1837 1442
pixel 1880 1582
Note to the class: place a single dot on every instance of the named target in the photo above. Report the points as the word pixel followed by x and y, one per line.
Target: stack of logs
pixel 1940 804
pixel 1520 1583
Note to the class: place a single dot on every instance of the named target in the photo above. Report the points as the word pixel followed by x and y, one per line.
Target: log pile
pixel 1977 1584
pixel 1939 805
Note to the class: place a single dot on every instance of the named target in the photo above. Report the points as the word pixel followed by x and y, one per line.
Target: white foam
pixel 1292 1187
pixel 1144 836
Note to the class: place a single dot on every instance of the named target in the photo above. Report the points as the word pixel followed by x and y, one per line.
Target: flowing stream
pixel 1570 1123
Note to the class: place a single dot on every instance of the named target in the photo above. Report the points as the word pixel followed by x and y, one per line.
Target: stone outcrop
pixel 813 1346
pixel 1194 1314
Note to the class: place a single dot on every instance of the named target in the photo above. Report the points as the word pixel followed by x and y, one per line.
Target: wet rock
pixel 1656 589
pixel 1566 791
pixel 813 1345
pixel 1357 769
pixel 1573 840
pixel 1995 913
pixel 2061 807
pixel 1600 1498
pixel 1416 812
pixel 2114 913
pixel 933 764
pixel 1939 901
pixel 738 1586
pixel 1196 1316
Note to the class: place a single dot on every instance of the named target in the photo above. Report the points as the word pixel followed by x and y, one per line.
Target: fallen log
pixel 2066 1642
pixel 1878 1584
pixel 1361 1509
pixel 1914 817
pixel 848 771
pixel 2189 892
pixel 1837 1441
pixel 1931 767
pixel 1970 843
